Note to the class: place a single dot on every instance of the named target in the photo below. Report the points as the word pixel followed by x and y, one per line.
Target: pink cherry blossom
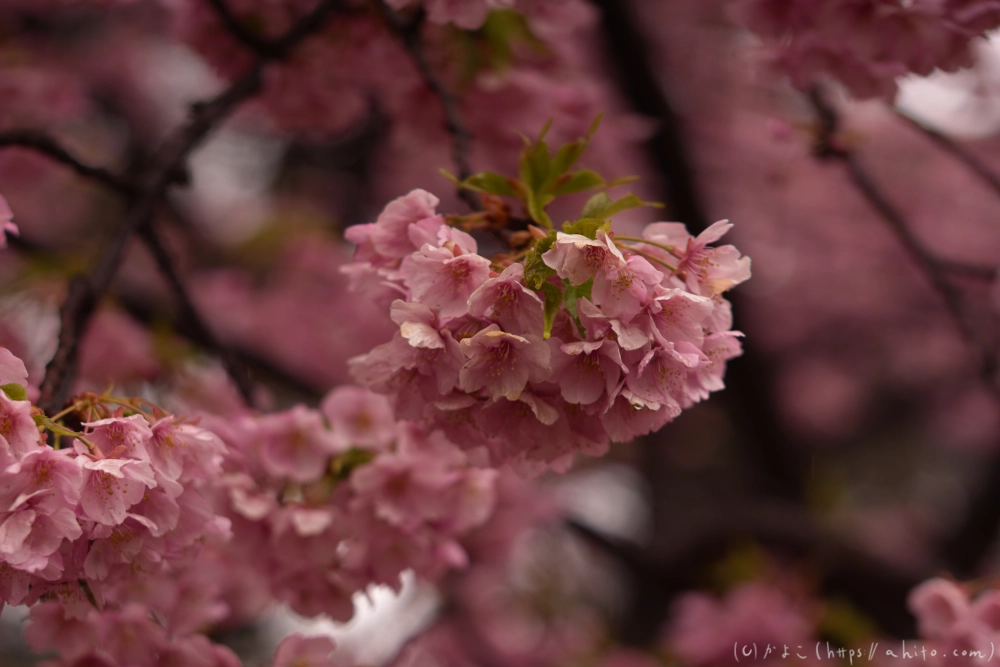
pixel 296 444
pixel 444 279
pixel 12 370
pixel 121 436
pixel 501 364
pixel 508 301
pixel 707 271
pixel 112 486
pixel 589 370
pixel 622 291
pixel 576 258
pixel 359 418
pixel 18 431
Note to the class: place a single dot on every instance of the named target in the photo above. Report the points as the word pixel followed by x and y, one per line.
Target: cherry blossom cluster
pixel 948 616
pixel 326 503
pixel 593 338
pixel 134 635
pixel 866 45
pixel 113 502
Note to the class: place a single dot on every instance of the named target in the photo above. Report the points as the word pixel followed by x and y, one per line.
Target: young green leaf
pixel 627 202
pixel 587 227
pixel 536 271
pixel 594 208
pixel 579 181
pixel 15 392
pixel 572 294
pixel 553 299
pixel 490 182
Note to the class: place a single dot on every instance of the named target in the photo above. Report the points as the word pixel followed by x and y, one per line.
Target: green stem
pixel 669 248
pixel 652 258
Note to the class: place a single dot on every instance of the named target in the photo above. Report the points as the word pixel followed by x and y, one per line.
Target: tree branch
pixel 873 585
pixel 156 177
pixel 43 143
pixel 977 166
pixel 963 548
pixel 750 379
pixel 827 147
pixel 189 314
pixel 408 33
pixel 274 49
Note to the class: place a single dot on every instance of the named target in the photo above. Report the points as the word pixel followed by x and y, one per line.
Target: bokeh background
pixel 855 451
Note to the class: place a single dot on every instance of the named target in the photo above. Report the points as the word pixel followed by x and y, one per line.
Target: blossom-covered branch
pixel 155 178
pixel 408 32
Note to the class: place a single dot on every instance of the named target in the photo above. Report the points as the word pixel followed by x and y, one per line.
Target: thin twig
pixel 189 313
pixel 827 147
pixel 157 176
pixel 43 143
pixel 260 46
pixel 977 166
pixel 274 49
pixel 148 313
pixel 963 548
pixel 979 271
pixel 408 32
pixel 873 585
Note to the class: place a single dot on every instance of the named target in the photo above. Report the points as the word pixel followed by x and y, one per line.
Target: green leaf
pixel 845 624
pixel 15 391
pixel 572 294
pixel 536 271
pixel 594 124
pixel 587 227
pixel 627 202
pixel 502 29
pixel 451 177
pixel 536 208
pixel 491 183
pixel 536 163
pixel 623 180
pixel 601 206
pixel 342 466
pixel 581 180
pixel 553 299
pixel 595 206
pixel 568 155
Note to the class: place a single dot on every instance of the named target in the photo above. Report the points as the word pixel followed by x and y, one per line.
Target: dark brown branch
pixel 981 272
pixel 189 314
pixel 408 32
pixel 274 49
pixel 85 292
pixel 873 585
pixel 750 379
pixel 147 313
pixel 966 546
pixel 640 85
pixel 157 176
pixel 935 269
pixel 977 166
pixel 261 47
pixel 43 143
